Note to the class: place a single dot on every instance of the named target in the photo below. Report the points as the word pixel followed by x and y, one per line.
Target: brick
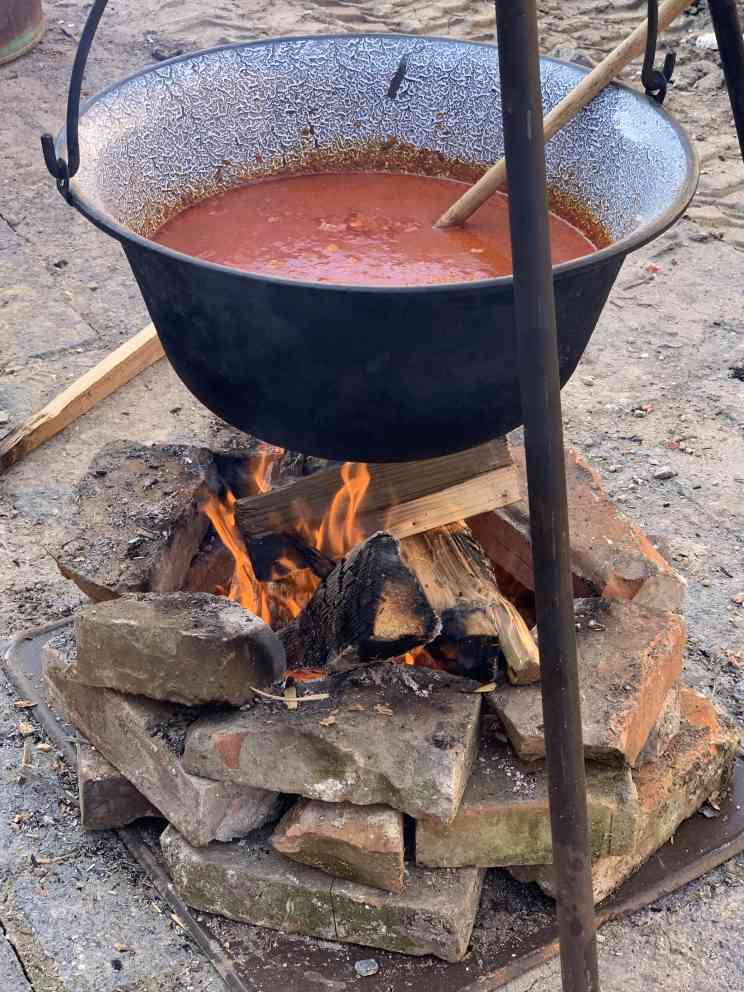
pixel 629 658
pixel 666 729
pixel 360 843
pixel 610 555
pixel 695 766
pixel 389 734
pixel 138 520
pixel 107 799
pixel 504 817
pixel 142 738
pixel 185 648
pixel 248 882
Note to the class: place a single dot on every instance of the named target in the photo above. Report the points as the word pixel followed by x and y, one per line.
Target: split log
pixel 369 608
pixel 478 621
pixel 402 499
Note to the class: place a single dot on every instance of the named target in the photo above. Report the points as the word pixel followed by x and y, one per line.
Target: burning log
pixel 402 499
pixel 478 622
pixel 370 607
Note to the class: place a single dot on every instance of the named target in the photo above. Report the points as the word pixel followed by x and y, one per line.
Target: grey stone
pixel 389 734
pixel 107 799
pixel 140 737
pixel 664 473
pixel 361 843
pixel 139 521
pixel 504 817
pixel 249 882
pixel 182 647
pixel 366 968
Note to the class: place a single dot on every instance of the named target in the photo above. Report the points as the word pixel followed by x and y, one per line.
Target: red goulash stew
pixel 370 229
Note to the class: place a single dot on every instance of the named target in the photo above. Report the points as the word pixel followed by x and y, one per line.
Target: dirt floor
pixel 661 384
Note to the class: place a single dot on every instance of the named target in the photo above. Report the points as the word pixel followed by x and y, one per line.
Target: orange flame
pixel 286 595
pixel 420 658
pixel 340 530
pixel 244 587
pixel 267 458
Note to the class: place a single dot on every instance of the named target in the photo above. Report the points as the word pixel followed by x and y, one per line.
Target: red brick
pixel 610 555
pixel 695 766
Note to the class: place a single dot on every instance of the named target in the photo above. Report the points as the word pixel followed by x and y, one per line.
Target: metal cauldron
pixel 367 374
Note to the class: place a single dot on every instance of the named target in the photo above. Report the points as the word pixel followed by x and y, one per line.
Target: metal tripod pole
pixel 727 26
pixel 546 477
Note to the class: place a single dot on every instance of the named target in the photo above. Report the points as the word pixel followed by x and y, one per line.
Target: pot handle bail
pixel 62 170
pixel 655 80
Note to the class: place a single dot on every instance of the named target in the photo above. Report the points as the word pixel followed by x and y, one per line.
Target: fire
pixel 267 458
pixel 420 658
pixel 340 530
pixel 244 587
pixel 287 593
pixel 289 589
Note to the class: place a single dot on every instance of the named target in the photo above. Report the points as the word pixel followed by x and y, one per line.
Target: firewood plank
pixel 118 368
pixel 402 498
pixel 457 577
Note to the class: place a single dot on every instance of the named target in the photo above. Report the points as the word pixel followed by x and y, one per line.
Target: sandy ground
pixel 667 342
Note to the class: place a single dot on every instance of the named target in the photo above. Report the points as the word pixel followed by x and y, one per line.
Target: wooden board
pixel 123 364
pixel 403 498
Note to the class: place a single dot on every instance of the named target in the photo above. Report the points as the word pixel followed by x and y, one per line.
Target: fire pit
pixel 185 129
pixel 352 774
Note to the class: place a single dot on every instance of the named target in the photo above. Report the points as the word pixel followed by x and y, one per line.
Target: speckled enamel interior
pixel 185 129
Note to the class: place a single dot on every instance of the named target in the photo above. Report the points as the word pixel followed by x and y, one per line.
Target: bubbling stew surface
pixel 372 229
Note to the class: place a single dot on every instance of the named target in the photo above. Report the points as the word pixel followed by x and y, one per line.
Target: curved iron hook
pixel 655 80
pixel 62 170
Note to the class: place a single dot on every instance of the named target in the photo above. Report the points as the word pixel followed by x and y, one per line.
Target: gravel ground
pixel 661 384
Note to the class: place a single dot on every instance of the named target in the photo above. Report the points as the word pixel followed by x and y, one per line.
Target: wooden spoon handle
pixel 592 84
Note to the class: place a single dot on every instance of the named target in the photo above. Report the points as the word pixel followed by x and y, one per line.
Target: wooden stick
pixel 404 499
pixel 563 112
pixel 123 364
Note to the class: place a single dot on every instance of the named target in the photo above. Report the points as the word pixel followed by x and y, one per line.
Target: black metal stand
pixel 727 26
pixel 546 476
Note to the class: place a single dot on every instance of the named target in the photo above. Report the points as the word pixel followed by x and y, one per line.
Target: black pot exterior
pixel 350 372
pixel 317 369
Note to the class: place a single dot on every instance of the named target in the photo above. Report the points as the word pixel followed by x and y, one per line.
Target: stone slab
pixel 610 555
pixel 389 734
pixel 363 844
pixel 188 648
pixel 249 882
pixel 139 523
pixel 143 738
pixel 694 767
pixel 629 658
pixel 108 800
pixel 504 817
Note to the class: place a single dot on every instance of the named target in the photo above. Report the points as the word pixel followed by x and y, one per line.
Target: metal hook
pixel 655 80
pixel 63 170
